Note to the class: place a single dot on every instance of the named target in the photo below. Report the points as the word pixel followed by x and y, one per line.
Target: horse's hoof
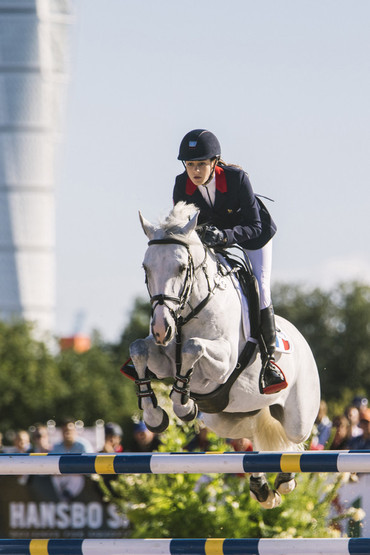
pixel 287 487
pixel 273 500
pixel 285 482
pixel 191 415
pixel 162 426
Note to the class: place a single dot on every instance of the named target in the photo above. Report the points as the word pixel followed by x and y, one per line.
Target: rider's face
pixel 199 171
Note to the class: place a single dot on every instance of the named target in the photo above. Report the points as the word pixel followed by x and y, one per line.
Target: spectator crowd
pixel 350 430
pixel 37 439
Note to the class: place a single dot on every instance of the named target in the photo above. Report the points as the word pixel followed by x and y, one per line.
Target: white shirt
pixel 209 197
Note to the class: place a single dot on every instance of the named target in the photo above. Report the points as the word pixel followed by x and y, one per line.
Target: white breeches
pixel 261 261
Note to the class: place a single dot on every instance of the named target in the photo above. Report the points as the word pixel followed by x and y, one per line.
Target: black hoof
pixel 283 477
pixel 260 488
pixel 193 414
pixel 162 426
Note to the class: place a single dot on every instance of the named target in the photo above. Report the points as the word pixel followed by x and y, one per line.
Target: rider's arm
pixel 249 225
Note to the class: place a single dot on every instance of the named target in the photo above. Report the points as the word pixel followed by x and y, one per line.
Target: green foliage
pixel 218 506
pixel 38 385
pixel 29 378
pixel 138 327
pixel 336 325
pixel 96 388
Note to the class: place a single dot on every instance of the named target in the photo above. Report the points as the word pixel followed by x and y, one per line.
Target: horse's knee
pixel 193 348
pixel 139 349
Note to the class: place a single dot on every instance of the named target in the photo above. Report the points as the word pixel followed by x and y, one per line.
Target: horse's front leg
pixel 184 407
pixel 155 418
pixel 215 365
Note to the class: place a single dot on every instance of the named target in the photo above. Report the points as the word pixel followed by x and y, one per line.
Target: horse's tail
pixel 271 435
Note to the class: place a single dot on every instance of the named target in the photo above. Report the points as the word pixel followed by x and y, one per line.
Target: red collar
pixel 221 184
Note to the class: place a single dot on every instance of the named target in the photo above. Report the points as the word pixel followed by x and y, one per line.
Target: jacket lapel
pixel 197 197
pixel 221 185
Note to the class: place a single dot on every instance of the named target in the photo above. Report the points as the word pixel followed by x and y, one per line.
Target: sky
pixel 284 85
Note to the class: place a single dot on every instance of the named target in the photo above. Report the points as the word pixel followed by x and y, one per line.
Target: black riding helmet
pixel 199 144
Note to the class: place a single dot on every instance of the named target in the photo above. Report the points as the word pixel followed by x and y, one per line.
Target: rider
pixel 232 215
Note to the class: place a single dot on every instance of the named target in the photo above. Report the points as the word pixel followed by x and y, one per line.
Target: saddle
pixel 243 272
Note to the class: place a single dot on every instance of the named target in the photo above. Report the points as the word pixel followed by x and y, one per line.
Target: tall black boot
pixel 272 379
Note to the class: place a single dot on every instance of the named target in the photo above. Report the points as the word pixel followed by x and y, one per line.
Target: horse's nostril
pixel 168 334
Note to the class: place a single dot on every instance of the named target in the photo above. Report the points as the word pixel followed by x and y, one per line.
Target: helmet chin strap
pixel 211 174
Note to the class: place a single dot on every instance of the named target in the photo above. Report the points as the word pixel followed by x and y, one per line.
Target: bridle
pixel 181 384
pixel 183 298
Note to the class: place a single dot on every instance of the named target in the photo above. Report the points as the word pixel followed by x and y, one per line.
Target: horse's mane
pixel 178 217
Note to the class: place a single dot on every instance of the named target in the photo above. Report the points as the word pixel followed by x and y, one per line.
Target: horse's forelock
pixel 178 217
pixel 172 226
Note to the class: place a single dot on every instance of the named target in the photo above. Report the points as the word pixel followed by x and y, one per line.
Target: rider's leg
pixel 272 379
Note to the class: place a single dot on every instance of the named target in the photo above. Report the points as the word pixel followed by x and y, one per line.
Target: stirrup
pixel 275 382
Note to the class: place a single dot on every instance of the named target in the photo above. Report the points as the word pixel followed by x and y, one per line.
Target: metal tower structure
pixel 33 71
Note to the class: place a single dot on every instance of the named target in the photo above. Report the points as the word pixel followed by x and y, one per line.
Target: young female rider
pixel 232 215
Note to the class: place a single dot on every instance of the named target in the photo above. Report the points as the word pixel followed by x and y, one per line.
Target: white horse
pixel 197 336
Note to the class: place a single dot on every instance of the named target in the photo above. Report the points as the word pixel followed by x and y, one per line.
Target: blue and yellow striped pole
pixel 185 463
pixel 329 546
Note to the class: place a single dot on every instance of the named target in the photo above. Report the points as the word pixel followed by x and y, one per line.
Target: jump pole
pixel 303 546
pixel 184 463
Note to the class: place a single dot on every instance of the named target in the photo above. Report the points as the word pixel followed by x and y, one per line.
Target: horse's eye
pixel 182 268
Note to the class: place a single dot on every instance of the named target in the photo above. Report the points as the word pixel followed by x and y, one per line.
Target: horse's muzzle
pixel 162 332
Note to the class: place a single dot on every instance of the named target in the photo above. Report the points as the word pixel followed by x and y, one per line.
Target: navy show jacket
pixel 237 210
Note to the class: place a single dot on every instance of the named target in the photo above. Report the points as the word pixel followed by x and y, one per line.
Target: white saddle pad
pixel 283 343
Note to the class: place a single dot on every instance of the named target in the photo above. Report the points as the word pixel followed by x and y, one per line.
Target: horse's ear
pixel 191 225
pixel 147 226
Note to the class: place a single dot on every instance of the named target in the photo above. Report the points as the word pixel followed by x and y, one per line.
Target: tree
pixel 137 327
pixel 94 387
pixel 38 385
pixel 30 381
pixel 336 325
pixel 350 360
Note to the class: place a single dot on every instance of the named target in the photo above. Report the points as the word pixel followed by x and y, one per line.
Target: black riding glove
pixel 213 237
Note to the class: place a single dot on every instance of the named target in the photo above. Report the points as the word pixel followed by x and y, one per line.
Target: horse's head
pixel 173 252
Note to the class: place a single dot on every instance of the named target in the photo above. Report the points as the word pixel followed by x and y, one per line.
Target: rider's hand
pixel 213 236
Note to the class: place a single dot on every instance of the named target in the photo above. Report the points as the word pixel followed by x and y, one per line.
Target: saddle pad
pixel 283 343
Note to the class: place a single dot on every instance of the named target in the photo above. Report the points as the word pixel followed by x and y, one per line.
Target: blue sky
pixel 285 85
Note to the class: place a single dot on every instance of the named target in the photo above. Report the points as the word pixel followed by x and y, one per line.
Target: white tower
pixel 33 69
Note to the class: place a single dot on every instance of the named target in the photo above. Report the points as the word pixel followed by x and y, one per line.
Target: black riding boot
pixel 272 378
